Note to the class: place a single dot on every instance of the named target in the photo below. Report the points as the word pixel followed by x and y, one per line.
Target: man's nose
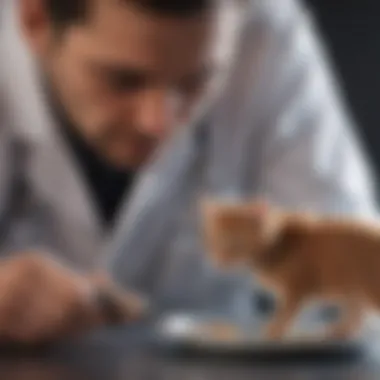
pixel 156 112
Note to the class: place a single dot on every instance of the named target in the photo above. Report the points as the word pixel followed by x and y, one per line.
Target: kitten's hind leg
pixel 350 321
pixel 283 317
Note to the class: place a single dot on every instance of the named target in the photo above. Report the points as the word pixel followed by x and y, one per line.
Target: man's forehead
pixel 120 32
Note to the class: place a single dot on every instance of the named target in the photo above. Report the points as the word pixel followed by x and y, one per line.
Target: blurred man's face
pixel 127 77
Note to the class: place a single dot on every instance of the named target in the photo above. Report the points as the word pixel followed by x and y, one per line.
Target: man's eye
pixel 125 82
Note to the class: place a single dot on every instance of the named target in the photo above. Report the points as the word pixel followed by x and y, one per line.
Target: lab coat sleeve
pixel 5 173
pixel 9 200
pixel 310 156
pixel 20 227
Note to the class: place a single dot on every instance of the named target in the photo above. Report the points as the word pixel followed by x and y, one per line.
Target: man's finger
pixel 118 307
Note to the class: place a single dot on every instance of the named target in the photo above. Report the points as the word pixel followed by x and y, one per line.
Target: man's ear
pixel 35 24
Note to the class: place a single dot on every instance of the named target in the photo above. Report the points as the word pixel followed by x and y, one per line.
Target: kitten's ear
pixel 208 206
pixel 259 208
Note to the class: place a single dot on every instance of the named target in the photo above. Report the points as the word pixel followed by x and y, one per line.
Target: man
pixel 118 113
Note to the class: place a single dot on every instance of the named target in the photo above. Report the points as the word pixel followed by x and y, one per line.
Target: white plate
pixel 188 330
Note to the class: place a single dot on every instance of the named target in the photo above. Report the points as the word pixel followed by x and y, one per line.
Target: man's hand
pixel 42 301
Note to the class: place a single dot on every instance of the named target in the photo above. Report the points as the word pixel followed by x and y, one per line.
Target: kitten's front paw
pixel 341 332
pixel 274 331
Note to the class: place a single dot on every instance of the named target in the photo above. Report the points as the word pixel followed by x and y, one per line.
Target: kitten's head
pixel 238 233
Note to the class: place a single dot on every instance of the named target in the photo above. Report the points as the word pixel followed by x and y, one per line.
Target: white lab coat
pixel 279 130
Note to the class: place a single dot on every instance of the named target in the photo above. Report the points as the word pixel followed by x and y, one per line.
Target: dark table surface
pixel 128 354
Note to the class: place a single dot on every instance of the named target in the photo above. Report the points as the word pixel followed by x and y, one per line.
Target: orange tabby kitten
pixel 300 256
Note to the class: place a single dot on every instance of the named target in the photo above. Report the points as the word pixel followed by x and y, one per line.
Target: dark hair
pixel 66 12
